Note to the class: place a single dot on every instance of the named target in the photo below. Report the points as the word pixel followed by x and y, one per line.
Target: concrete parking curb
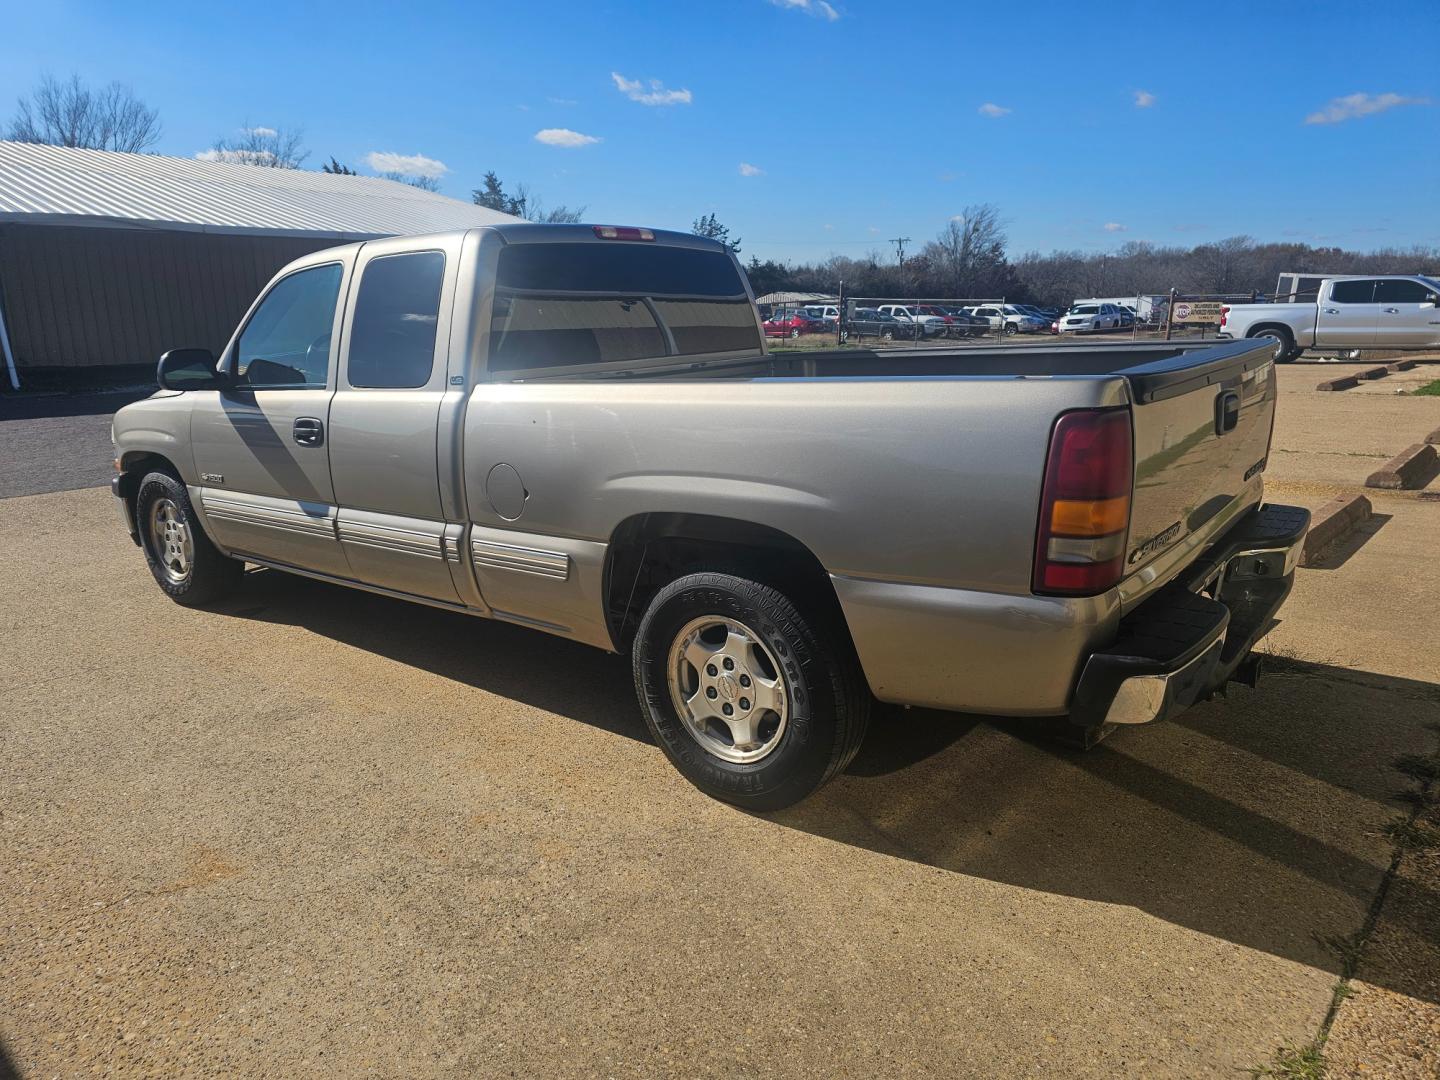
pixel 1331 523
pixel 1373 373
pixel 1400 365
pixel 1345 382
pixel 1409 469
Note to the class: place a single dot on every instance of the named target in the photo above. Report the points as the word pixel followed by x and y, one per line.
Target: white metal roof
pixel 61 185
pixel 796 298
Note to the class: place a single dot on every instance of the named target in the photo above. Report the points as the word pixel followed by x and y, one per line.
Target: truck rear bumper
pixel 1195 635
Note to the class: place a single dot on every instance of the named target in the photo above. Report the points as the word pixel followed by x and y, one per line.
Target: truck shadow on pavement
pixel 1256 820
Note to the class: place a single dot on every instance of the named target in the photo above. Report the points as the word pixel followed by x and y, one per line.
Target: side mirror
pixel 1433 300
pixel 189 369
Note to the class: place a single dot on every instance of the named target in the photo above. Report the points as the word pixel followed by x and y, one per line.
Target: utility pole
pixel 900 242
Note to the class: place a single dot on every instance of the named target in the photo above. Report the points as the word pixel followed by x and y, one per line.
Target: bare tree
pixel 274 148
pixel 71 114
pixel 969 254
pixel 424 183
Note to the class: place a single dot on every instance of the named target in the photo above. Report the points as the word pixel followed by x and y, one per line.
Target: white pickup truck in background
pixel 1348 313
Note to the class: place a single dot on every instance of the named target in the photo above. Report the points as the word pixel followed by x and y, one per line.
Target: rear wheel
pixel 795 332
pixel 1284 343
pixel 181 557
pixel 754 702
pixel 887 335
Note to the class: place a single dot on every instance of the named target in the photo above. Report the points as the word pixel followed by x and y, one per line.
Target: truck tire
pixel 887 335
pixel 184 562
pixel 755 703
pixel 1285 350
pixel 1011 328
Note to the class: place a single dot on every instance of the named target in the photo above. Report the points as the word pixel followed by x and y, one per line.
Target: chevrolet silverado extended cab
pixel 579 430
pixel 1347 313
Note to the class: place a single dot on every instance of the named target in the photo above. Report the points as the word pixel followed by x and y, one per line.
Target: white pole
pixel 9 356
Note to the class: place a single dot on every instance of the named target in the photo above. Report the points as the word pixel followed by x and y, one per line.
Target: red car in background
pixel 793 324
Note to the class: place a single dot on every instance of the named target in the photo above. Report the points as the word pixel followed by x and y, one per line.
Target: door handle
pixel 308 431
pixel 1391 310
pixel 1332 311
pixel 1227 411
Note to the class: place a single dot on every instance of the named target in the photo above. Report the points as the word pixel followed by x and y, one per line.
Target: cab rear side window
pixel 1352 292
pixel 568 305
pixel 397 310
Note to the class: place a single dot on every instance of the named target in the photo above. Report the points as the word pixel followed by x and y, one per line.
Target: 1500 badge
pixel 1160 540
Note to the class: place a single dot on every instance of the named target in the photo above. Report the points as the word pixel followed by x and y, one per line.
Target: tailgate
pixel 1202 422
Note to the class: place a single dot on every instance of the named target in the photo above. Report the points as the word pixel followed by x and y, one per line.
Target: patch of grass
pixel 1430 389
pixel 1413 835
pixel 1294 1063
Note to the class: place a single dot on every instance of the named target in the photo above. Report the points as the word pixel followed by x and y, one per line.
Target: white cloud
pixel 992 110
pixel 383 161
pixel 959 219
pixel 871 228
pixel 1144 99
pixel 562 101
pixel 1352 106
pixel 746 169
pixel 819 8
pixel 263 132
pixel 829 228
pixel 564 137
pixel 1115 226
pixel 635 90
pixel 237 157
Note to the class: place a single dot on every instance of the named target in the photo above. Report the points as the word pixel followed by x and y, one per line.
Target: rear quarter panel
pixel 918 480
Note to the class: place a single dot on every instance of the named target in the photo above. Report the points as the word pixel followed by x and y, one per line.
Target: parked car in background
pixel 1089 318
pixel 974 325
pixel 1008 318
pixel 1348 313
pixel 930 325
pixel 793 324
pixel 871 322
pixel 953 327
pixel 827 312
pixel 1145 308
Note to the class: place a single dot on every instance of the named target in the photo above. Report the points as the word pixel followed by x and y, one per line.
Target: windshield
pixel 1085 309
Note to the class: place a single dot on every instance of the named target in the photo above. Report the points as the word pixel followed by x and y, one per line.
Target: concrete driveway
pixel 323 831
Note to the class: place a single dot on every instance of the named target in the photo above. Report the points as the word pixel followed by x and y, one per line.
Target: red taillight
pixel 1224 314
pixel 622 232
pixel 1085 506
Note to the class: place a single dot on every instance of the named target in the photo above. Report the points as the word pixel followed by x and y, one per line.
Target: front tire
pixel 753 702
pixel 185 564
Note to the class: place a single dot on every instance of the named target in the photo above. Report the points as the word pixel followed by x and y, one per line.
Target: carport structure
pixel 109 259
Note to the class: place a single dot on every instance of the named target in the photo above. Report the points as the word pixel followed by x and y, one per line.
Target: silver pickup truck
pixel 579 430
pixel 1347 313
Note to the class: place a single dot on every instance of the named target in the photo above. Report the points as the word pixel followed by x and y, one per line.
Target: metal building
pixel 107 260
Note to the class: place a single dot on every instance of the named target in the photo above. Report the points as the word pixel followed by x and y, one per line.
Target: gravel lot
pixel 319 830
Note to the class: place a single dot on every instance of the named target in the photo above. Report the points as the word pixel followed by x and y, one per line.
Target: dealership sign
pixel 1196 312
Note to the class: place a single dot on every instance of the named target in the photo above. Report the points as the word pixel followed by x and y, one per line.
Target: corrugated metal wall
pixel 106 297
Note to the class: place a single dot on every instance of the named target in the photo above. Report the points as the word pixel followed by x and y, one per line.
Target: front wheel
pixel 181 557
pixel 753 702
pixel 1011 328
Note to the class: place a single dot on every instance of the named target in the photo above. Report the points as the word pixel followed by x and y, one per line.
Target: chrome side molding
pixel 522 560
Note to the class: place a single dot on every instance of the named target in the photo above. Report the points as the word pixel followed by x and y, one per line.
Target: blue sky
pixel 855 120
